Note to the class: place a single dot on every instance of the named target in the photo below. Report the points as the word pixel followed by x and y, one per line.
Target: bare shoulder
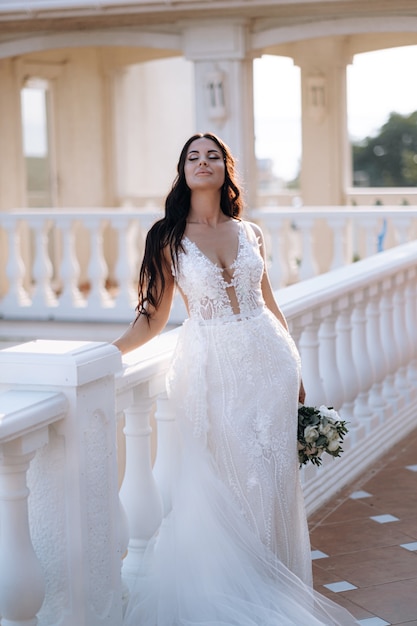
pixel 256 229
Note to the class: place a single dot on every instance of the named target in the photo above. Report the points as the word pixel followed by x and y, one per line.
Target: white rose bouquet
pixel 319 430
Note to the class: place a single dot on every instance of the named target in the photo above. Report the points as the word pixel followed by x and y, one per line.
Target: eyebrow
pixel 208 151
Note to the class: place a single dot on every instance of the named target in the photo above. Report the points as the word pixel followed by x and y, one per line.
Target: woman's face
pixel 204 165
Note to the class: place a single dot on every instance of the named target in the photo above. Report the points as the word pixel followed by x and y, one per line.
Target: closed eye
pixel 211 154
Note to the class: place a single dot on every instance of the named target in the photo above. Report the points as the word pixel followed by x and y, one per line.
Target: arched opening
pixel 37 143
pixel 380 84
pixel 277 112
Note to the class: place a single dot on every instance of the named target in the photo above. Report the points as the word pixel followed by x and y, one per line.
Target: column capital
pixel 317 56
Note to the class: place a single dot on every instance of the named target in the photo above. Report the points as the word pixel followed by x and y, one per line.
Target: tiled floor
pixel 365 542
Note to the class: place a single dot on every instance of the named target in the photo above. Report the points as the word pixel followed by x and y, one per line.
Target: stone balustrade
pixel 63 402
pixel 83 265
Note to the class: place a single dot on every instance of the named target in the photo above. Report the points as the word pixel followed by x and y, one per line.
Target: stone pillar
pixel 325 168
pixel 224 90
pixel 12 167
pixel 74 509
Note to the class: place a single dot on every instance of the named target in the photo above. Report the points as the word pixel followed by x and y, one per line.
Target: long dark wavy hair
pixel 169 230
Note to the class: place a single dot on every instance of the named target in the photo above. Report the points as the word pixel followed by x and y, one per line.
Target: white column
pixel 224 89
pixel 325 170
pixel 12 166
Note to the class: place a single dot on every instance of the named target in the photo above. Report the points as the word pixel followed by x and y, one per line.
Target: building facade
pixel 125 83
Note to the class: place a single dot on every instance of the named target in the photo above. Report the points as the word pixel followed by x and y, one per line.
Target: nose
pixel 203 160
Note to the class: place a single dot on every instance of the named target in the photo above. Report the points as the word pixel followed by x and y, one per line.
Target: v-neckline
pixel 216 265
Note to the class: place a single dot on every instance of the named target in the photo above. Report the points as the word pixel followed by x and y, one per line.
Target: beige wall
pixel 118 122
pixel 155 117
pixel 12 176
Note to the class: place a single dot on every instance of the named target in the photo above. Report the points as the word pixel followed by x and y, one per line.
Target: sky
pixel 377 84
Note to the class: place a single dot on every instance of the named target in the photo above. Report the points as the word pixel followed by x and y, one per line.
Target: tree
pixel 390 158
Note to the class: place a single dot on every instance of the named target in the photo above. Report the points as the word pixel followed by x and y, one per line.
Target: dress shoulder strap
pixel 250 232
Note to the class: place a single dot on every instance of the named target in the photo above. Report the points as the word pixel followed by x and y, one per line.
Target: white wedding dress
pixel 234 550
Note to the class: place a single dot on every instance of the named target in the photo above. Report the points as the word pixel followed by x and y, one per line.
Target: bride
pixel 234 550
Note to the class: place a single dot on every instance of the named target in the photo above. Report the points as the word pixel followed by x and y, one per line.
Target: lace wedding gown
pixel 234 550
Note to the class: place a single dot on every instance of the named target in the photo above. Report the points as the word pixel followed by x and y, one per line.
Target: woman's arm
pixel 269 298
pixel 144 329
pixel 267 292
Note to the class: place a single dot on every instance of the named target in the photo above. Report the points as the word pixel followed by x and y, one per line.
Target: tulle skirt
pixel 234 549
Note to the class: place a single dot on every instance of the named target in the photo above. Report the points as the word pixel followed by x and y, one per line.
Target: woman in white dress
pixel 234 550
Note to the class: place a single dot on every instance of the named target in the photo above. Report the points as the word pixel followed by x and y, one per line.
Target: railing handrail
pixel 24 411
pixel 326 288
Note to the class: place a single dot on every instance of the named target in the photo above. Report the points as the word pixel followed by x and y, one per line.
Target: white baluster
pixel 328 361
pixel 361 359
pixel 338 226
pixel 147 219
pixel 401 338
pixel 308 266
pixel 69 270
pixel 389 345
pixel 16 296
pixel 43 296
pixel 278 269
pixel 98 296
pixel 402 226
pixel 139 493
pixel 371 236
pixel 376 354
pixel 123 521
pixel 22 583
pixel 410 318
pixel 126 296
pixel 347 368
pixel 309 348
pixel 295 328
pixel 166 460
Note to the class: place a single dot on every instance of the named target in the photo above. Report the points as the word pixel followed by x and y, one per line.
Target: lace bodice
pixel 209 294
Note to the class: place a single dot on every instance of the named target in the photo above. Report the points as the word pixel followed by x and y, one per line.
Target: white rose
pixel 311 434
pixel 333 445
pixel 324 429
pixel 332 434
pixel 331 414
